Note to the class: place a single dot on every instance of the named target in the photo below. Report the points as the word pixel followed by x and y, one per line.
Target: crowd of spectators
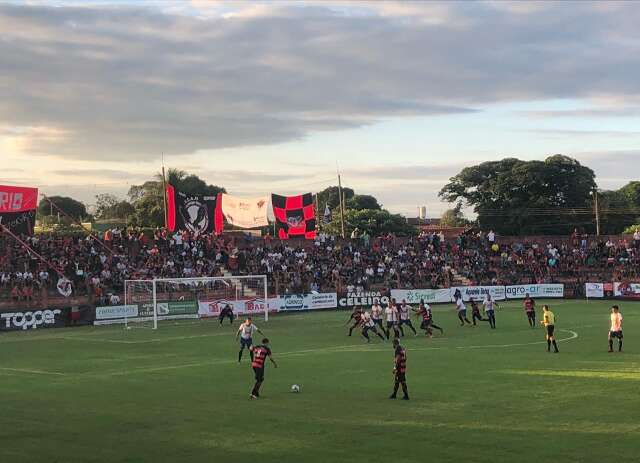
pixel 98 268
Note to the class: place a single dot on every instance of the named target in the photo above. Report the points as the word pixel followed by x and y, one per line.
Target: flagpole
pixel 341 205
pixel 164 192
pixel 317 213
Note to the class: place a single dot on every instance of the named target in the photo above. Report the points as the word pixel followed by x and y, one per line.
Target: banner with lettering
pixel 18 208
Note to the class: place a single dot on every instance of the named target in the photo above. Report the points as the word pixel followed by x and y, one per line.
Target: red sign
pixel 18 199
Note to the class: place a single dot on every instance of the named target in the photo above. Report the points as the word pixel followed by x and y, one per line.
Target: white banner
pixel 594 290
pixel 240 307
pixel 324 301
pixel 429 296
pixel 479 293
pixel 363 299
pixel 293 302
pixel 627 290
pixel 116 311
pixel 245 212
pixel 535 291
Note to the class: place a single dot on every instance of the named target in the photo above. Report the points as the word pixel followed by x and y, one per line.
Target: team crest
pixel 195 216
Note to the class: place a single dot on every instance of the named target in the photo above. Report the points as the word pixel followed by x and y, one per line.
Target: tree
pixel 108 206
pixel 619 209
pixel 147 199
pixel 74 208
pixel 454 217
pixel 360 202
pixel 515 197
pixel 331 196
pixel 374 222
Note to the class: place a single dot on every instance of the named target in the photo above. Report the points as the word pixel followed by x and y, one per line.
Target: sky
pixel 264 97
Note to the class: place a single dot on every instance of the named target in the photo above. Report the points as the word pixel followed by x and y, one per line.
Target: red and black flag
pixel 194 213
pixel 295 216
pixel 18 208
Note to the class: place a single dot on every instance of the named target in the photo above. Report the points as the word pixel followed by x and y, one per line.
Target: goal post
pixel 150 301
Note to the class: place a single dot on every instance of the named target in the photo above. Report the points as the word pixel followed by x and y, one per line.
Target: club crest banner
pixel 295 216
pixel 194 213
pixel 245 213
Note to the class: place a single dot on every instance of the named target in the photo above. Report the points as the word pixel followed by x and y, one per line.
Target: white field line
pixel 32 372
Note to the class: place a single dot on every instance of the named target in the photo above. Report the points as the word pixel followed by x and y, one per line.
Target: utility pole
pixel 164 193
pixel 341 205
pixel 595 196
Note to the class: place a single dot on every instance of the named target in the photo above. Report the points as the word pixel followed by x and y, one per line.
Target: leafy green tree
pixel 515 197
pixel 374 222
pixel 331 196
pixel 360 202
pixel 108 206
pixel 74 208
pixel 454 217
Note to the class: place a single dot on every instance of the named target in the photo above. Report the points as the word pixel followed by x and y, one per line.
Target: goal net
pixel 150 301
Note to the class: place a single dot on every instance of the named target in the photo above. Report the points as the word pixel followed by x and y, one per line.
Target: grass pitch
pixel 103 394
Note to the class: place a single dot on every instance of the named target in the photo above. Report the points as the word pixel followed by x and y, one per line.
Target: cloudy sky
pixel 272 96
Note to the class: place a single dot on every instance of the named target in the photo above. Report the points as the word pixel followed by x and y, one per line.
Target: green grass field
pixel 103 394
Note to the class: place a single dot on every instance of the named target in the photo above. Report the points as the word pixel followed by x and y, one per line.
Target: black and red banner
pixel 18 208
pixel 194 213
pixel 295 216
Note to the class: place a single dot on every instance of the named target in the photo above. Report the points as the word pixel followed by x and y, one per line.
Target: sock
pixel 620 346
pixel 350 331
pixel 548 345
pixel 555 346
pixel 395 389
pixel 405 390
pixel 386 332
pixel 401 330
pixel 610 344
pixel 251 355
pixel 413 329
pixel 256 388
pixel 240 355
pixel 380 336
pixel 366 335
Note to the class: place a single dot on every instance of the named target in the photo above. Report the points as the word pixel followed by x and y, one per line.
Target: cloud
pixel 128 83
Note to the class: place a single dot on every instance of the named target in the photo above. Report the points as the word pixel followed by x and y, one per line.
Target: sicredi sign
pixel 29 320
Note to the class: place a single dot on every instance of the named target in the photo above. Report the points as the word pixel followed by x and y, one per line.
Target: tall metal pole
pixel 341 205
pixel 164 193
pixel 317 213
pixel 597 213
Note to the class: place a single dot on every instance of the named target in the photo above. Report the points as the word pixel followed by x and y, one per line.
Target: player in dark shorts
pixel 529 305
pixel 356 316
pixel 227 312
pixel 369 325
pixel 404 313
pixel 400 370
pixel 427 324
pixel 260 354
pixel 475 312
pixel 616 328
pixel 549 322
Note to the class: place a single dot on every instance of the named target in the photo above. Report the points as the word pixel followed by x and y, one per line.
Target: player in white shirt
pixel 369 325
pixel 489 309
pixel 377 314
pixel 404 310
pixel 616 328
pixel 391 315
pixel 245 333
pixel 462 312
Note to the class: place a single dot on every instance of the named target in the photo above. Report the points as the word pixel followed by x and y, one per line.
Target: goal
pixel 150 301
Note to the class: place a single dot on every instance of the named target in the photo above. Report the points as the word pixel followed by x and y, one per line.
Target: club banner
pixel 194 213
pixel 295 216
pixel 626 290
pixel 245 213
pixel 18 208
pixel 594 290
pixel 429 296
pixel 212 308
pixel 535 291
pixel 365 299
pixel 479 293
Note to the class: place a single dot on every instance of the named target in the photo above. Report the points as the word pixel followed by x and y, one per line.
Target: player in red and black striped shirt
pixel 356 316
pixel 400 370
pixel 260 354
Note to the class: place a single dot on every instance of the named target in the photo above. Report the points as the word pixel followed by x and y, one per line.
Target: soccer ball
pixel 295 388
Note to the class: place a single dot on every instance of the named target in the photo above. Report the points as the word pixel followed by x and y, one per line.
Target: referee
pixel 549 322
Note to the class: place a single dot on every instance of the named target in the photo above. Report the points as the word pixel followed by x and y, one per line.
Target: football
pixel 295 388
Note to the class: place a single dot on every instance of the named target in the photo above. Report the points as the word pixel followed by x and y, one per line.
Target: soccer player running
pixel 616 328
pixel 405 317
pixel 549 322
pixel 369 325
pixel 227 311
pixel 424 310
pixel 356 316
pixel 462 311
pixel 245 333
pixel 391 314
pixel 529 304
pixel 475 312
pixel 400 370
pixel 489 309
pixel 260 354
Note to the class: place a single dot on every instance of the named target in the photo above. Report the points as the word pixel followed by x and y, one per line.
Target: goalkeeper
pixel 227 311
